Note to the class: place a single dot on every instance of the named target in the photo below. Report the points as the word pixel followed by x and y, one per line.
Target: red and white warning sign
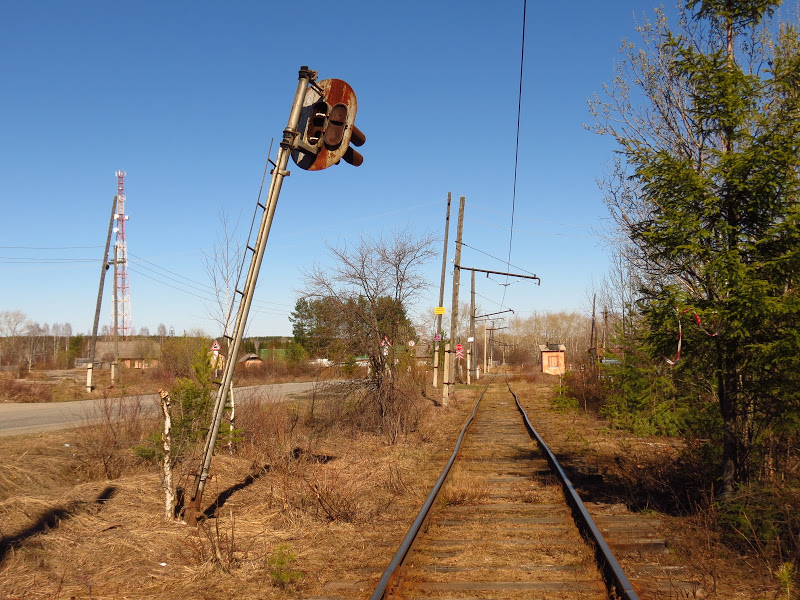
pixel 459 351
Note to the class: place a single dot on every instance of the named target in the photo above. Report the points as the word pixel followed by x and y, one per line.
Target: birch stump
pixel 166 442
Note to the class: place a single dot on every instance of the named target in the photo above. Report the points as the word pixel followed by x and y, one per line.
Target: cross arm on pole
pixel 500 273
pixel 494 313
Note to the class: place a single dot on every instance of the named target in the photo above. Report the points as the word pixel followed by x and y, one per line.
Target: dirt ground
pixel 295 510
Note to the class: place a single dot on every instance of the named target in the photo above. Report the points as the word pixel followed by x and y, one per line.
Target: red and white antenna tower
pixel 121 327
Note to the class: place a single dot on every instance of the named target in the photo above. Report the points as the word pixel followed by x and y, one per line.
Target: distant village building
pixel 250 360
pixel 553 358
pixel 134 354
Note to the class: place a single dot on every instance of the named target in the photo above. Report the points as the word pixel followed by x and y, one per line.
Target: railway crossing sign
pixel 459 351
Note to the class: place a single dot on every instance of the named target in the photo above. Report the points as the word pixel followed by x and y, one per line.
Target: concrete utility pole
pixel 472 309
pixel 450 376
pixel 103 268
pixel 471 341
pixel 438 331
pixel 486 329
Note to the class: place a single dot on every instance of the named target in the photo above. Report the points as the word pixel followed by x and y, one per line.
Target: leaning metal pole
pixel 192 509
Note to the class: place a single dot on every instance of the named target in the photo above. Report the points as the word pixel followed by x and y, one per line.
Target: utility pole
pixel 491 341
pixel 485 348
pixel 472 310
pixel 103 268
pixel 438 330
pixel 450 376
pixel 471 340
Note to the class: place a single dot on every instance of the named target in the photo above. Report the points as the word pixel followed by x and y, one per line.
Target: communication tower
pixel 121 328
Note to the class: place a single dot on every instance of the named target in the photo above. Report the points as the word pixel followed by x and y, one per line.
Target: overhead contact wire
pixel 516 149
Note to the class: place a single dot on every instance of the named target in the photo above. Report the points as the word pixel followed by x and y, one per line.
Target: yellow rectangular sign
pixel 439 310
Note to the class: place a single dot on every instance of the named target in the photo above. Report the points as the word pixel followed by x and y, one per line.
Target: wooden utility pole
pixel 454 314
pixel 437 344
pixel 471 340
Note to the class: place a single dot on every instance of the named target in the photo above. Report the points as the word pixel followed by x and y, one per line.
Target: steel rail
pixel 391 571
pixel 615 578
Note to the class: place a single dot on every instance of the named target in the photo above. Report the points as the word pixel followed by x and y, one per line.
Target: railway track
pixel 503 522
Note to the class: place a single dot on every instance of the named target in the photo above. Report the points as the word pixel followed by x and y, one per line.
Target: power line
pixel 516 150
pixel 173 273
pixel 496 258
pixel 27 260
pixel 48 247
pixel 525 218
pixel 490 300
pixel 202 293
pixel 198 285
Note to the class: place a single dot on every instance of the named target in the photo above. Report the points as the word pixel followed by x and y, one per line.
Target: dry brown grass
pixel 17 390
pixel 461 489
pixel 337 500
pixel 297 505
pixel 631 472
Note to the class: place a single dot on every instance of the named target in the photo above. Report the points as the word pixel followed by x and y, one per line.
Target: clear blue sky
pixel 186 97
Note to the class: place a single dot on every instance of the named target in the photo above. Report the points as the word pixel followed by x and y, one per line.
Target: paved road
pixel 17 418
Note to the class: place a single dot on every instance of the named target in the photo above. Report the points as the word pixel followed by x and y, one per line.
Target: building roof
pixel 552 348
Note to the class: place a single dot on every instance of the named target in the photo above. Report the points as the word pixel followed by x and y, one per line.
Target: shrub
pixel 12 390
pixel 281 572
pixel 192 402
pixel 762 518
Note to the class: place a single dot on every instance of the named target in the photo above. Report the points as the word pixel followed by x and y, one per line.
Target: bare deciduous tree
pixel 12 324
pixel 372 283
pixel 223 264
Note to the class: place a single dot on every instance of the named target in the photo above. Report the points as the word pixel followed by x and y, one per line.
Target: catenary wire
pixel 516 150
pixel 48 247
pixel 496 258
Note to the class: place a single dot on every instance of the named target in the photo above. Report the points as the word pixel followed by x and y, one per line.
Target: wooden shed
pixel 553 357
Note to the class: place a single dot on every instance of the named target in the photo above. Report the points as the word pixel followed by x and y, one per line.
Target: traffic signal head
pixel 327 127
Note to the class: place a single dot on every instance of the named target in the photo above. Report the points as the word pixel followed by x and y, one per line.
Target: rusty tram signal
pixel 327 127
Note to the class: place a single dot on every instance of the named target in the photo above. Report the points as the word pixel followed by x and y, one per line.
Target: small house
pixel 553 357
pixel 134 354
